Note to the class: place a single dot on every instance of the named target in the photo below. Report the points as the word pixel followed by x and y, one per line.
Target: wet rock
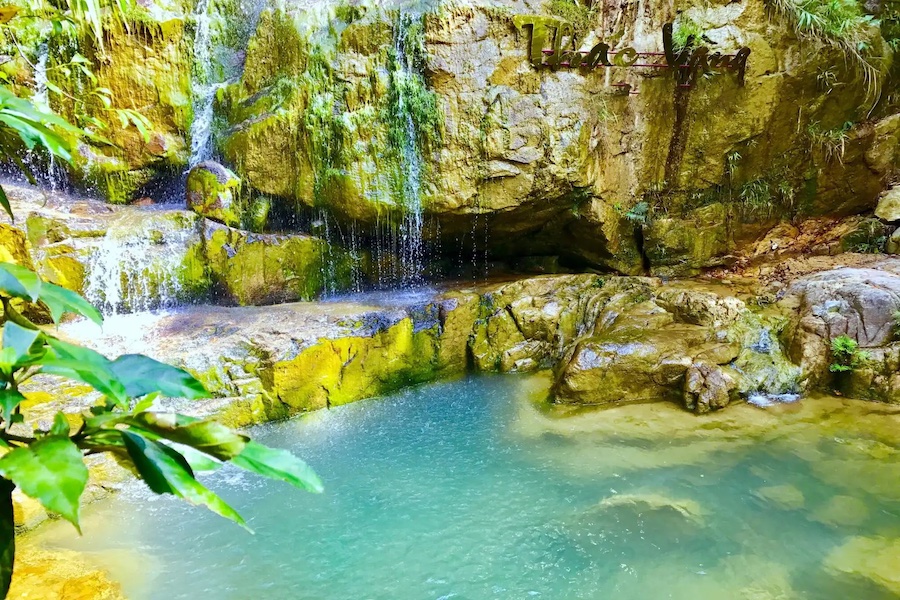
pixel 858 303
pixel 874 558
pixel 708 387
pixel 642 347
pixel 254 269
pixel 213 191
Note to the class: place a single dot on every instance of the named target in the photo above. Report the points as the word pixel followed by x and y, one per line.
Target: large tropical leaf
pixel 210 437
pixel 142 375
pixel 85 365
pixel 167 472
pixel 26 344
pixel 50 470
pixel 60 300
pixel 280 464
pixel 19 282
pixel 9 400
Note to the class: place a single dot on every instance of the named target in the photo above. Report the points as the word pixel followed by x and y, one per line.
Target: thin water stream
pixel 468 490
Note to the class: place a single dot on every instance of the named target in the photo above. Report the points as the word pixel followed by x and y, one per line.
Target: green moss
pixel 577 12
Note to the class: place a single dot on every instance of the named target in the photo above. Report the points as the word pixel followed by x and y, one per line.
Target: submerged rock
pixel 874 558
pixel 785 497
pixel 842 511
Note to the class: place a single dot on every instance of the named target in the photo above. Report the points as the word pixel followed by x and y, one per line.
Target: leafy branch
pixel 164 449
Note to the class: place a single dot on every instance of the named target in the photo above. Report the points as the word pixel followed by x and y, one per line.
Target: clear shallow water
pixel 465 490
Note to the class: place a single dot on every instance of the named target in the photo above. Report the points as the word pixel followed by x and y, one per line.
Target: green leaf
pixel 85 365
pixel 50 470
pixel 167 472
pixel 19 282
pixel 280 464
pixel 4 202
pixel 60 426
pixel 60 300
pixel 25 343
pixel 198 460
pixel 9 400
pixel 142 375
pixel 7 536
pixel 210 437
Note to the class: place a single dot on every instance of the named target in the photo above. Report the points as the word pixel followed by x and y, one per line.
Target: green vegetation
pixel 323 123
pixel 869 237
pixel 686 33
pixel 580 13
pixel 846 355
pixel 163 449
pixel 408 94
pixel 839 23
pixel 830 142
pixel 895 317
pixel 639 213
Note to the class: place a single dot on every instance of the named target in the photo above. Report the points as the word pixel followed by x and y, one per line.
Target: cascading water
pixel 138 268
pixel 203 90
pixel 45 168
pixel 412 248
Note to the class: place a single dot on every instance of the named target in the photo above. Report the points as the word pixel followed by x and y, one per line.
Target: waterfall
pixel 138 267
pixel 43 166
pixel 412 250
pixel 202 88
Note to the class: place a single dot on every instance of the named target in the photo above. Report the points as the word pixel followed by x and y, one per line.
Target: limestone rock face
pixel 213 192
pixel 551 161
pixel 147 68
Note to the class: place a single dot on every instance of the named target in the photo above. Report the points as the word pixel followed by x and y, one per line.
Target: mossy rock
pixel 253 269
pixel 213 191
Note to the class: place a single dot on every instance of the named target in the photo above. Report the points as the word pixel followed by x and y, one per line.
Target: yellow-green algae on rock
pixel 59 575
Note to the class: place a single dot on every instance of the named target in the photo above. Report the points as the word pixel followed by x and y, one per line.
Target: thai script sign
pixel 553 45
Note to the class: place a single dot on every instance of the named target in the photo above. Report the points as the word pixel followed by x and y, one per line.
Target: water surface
pixel 466 490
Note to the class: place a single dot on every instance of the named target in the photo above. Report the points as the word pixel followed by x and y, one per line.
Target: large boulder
pixel 859 303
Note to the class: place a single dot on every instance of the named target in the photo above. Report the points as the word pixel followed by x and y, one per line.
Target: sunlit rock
pixel 60 575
